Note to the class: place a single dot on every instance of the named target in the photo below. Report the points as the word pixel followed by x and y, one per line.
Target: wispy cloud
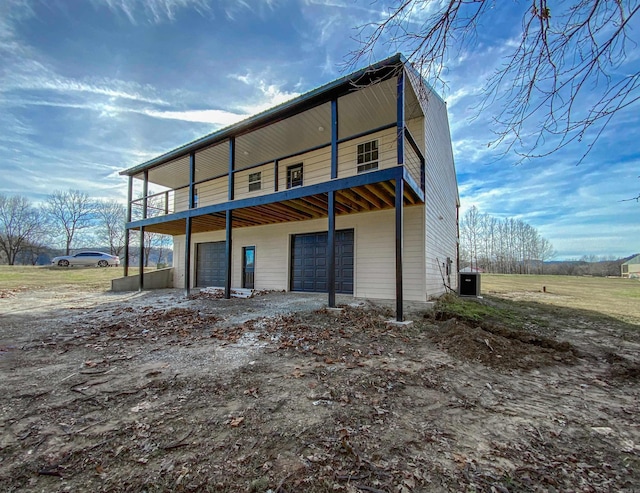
pixel 214 117
pixel 154 11
pixel 266 93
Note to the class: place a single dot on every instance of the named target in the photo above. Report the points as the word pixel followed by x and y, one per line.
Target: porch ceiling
pixel 366 198
pixel 358 111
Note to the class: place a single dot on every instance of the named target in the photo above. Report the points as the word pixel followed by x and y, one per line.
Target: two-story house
pixel 349 188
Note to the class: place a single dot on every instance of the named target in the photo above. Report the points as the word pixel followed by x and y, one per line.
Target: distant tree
pixel 469 235
pixel 563 74
pixel 110 216
pixel 545 252
pixel 70 213
pixel 32 252
pixel 505 246
pixel 21 225
pixel 161 243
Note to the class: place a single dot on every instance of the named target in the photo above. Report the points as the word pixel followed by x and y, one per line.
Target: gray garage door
pixel 309 262
pixel 210 268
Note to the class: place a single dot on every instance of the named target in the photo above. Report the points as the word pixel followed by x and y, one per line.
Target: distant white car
pixel 87 258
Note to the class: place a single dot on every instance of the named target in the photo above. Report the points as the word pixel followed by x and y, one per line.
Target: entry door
pixel 248 266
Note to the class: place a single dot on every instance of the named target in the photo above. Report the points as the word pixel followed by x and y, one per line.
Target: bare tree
pixel 545 252
pixel 32 251
pixel 504 246
pixel 21 225
pixel 70 213
pixel 111 218
pixel 562 75
pixel 470 234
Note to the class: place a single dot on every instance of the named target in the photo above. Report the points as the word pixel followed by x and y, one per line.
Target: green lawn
pixel 31 277
pixel 616 297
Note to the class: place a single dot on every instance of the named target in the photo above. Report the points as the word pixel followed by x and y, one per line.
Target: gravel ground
pixel 155 392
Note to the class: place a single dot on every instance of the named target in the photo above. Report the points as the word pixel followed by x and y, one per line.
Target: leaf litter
pixel 200 396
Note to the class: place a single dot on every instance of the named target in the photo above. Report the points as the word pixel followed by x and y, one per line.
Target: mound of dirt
pixel 501 347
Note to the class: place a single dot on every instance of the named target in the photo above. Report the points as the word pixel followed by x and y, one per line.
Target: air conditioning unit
pixel 469 284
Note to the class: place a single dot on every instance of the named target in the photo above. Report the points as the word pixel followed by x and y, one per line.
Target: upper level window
pixel 294 176
pixel 195 198
pixel 255 181
pixel 367 156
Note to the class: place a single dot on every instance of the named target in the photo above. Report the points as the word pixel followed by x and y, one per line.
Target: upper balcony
pixel 350 132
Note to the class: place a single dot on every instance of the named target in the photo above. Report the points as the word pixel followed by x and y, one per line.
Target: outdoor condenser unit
pixel 469 284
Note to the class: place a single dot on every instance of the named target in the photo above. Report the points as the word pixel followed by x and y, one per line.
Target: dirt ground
pixel 155 392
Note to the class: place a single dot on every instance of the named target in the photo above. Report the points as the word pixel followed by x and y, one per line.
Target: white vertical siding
pixel 241 182
pixel 387 155
pixel 213 192
pixel 374 275
pixel 181 200
pixel 416 127
pixel 441 193
pixel 316 167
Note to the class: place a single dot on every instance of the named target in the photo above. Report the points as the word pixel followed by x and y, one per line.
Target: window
pixel 195 198
pixel 294 176
pixel 625 269
pixel 255 181
pixel 367 156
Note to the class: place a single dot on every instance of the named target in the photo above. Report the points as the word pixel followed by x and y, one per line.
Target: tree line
pixel 502 246
pixel 65 221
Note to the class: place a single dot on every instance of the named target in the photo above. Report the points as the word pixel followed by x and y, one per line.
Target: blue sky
pixel 90 87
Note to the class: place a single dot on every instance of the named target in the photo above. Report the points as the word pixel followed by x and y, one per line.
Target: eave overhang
pixel 377 72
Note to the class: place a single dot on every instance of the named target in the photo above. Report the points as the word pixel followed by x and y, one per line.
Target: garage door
pixel 210 264
pixel 309 262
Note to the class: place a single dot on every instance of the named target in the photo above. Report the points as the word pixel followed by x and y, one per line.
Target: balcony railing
pixel 274 176
pixel 158 204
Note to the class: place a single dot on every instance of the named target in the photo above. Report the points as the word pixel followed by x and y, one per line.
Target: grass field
pixel 32 277
pixel 615 297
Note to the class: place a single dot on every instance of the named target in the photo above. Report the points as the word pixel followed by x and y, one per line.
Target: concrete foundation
pixel 153 279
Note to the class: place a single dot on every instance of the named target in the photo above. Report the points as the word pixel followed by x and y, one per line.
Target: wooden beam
pixel 320 211
pixel 389 188
pixel 409 196
pixel 381 193
pixel 314 213
pixel 264 215
pixel 286 212
pixel 353 197
pixel 375 201
pixel 345 205
pixel 319 200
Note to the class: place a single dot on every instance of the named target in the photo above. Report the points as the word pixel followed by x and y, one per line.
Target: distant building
pixel 631 268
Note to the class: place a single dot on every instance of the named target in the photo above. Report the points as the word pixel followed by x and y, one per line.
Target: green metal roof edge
pixel 265 116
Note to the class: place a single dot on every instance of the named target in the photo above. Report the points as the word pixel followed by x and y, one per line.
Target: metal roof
pixel 305 101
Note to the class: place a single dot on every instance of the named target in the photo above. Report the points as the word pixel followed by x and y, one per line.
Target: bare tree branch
pixel 564 78
pixel 21 225
pixel 71 212
pixel 111 218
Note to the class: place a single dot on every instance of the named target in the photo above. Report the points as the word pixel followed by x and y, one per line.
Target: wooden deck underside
pixel 377 196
